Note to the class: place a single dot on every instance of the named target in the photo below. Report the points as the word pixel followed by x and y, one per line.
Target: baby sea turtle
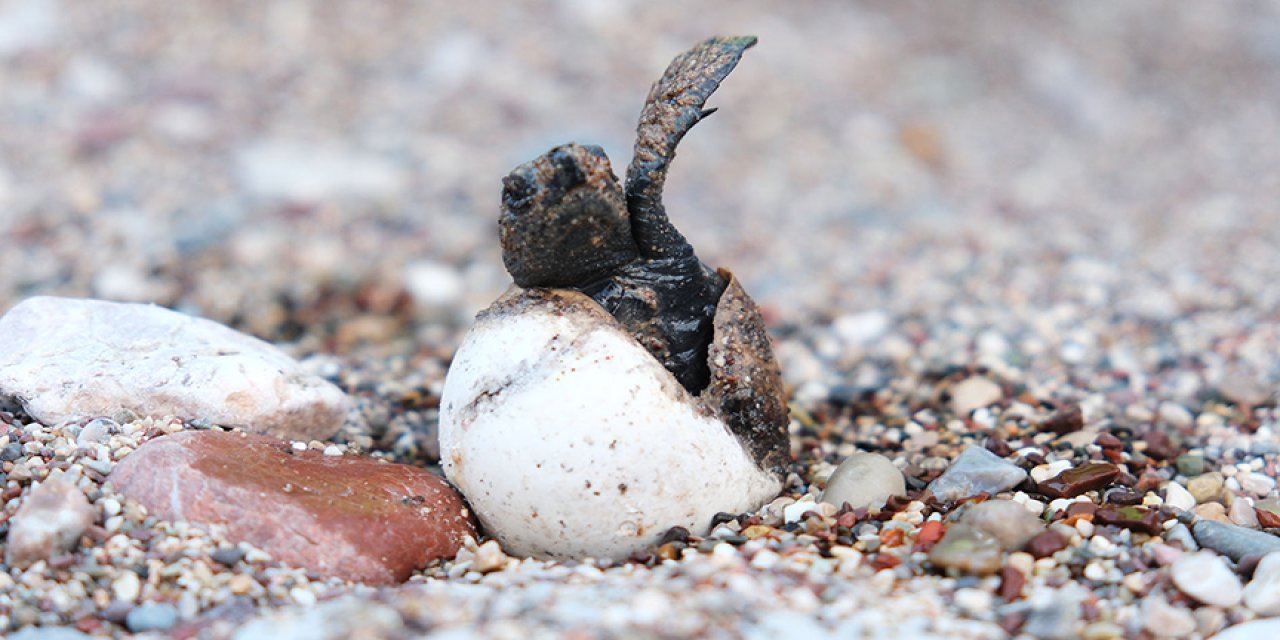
pixel 621 386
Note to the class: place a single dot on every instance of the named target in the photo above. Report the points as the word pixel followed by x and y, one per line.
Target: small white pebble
pixel 332 450
pixel 1085 528
pixel 299 446
pixel 1176 496
pixel 1095 572
pixel 1022 561
pixel 975 602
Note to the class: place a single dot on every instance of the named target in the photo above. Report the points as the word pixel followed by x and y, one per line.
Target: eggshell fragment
pixel 570 440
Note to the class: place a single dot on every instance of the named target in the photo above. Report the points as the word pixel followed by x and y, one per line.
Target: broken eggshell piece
pixel 571 440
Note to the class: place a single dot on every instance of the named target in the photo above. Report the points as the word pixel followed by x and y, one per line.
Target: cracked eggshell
pixel 570 440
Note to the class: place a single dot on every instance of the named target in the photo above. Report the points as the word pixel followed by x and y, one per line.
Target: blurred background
pixel 329 172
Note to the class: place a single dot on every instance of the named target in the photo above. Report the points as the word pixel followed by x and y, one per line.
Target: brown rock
pixel 1132 518
pixel 1073 482
pixel 49 522
pixel 1046 544
pixel 346 516
pixel 1065 420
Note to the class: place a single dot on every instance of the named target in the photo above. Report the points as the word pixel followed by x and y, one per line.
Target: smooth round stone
pixel 1204 576
pixel 1005 520
pixel 1262 595
pixel 1165 620
pixel 974 393
pixel 1232 541
pixel 968 550
pixel 152 616
pixel 1206 487
pixel 49 522
pixel 864 480
pixel 1255 630
pixel 69 358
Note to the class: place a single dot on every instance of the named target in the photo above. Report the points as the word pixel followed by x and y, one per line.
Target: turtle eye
pixel 517 191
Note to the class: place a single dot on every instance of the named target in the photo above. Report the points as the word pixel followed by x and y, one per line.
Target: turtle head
pixel 564 219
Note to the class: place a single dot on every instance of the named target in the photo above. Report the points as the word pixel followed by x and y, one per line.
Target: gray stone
pixel 974 471
pixel 864 480
pixel 1005 520
pixel 50 521
pixel 1232 541
pixel 968 550
pixel 1055 614
pixel 152 616
pixel 67 358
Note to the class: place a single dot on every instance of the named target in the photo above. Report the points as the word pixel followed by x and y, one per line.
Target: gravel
pixel 1068 201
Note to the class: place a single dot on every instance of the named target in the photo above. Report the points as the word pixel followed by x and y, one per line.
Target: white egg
pixel 570 440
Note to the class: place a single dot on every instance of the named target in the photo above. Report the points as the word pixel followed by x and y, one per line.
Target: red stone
pixel 347 516
pixel 1011 582
pixel 1045 544
pixel 1068 419
pixel 1267 519
pixel 1073 482
pixel 928 536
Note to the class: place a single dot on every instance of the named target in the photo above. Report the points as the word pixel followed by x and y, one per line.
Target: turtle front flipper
pixel 674 105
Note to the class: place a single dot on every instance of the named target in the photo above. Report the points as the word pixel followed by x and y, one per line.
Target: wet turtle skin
pixel 567 223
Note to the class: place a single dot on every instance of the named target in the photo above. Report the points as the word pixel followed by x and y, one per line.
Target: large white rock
pixel 65 358
pixel 570 440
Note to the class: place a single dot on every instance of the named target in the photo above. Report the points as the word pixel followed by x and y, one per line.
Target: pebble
pixel 973 393
pixel 489 557
pixel 1254 630
pixel 1206 487
pixel 1232 541
pixel 1257 484
pixel 968 550
pixel 1190 464
pixel 1204 576
pixel 1262 594
pixel 69 358
pixel 974 471
pixel 1241 513
pixel 1045 544
pixel 127 587
pixel 1175 415
pixel 50 521
pixel 1043 472
pixel 97 431
pixel 152 616
pixel 295 172
pixel 1179 498
pixel 1165 620
pixel 347 516
pixel 1212 511
pixel 1073 482
pixel 433 285
pixel 49 633
pixel 1068 419
pixel 864 480
pixel 1005 520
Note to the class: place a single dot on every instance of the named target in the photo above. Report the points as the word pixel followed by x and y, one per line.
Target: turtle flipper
pixel 674 105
